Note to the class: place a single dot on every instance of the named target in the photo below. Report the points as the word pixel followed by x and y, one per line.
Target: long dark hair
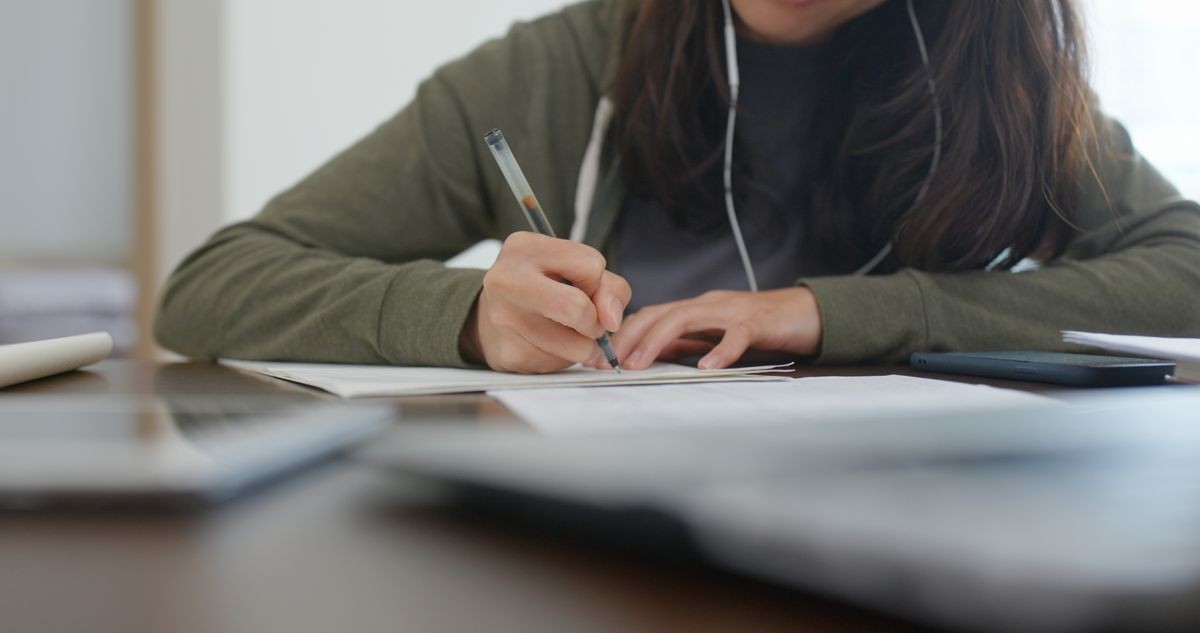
pixel 1015 102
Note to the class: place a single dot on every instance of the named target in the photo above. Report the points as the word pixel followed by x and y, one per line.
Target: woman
pixel 903 176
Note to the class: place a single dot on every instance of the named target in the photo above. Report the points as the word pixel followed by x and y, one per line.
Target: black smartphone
pixel 1074 370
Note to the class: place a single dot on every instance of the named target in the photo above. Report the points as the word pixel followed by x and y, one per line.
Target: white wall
pixel 1146 65
pixel 66 132
pixel 305 79
pixel 190 151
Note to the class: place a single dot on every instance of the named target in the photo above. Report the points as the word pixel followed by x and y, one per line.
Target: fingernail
pixel 600 331
pixel 618 311
pixel 709 362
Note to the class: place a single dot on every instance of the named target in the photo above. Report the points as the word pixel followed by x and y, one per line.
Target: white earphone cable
pixel 937 103
pixel 734 83
pixel 731 63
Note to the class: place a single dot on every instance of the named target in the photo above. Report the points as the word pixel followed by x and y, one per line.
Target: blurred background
pixel 131 129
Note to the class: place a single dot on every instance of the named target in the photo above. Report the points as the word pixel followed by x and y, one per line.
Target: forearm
pixel 341 267
pixel 1149 289
pixel 251 294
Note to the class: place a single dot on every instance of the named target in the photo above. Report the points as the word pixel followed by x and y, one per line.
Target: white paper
pixel 803 400
pixel 1184 351
pixel 29 361
pixel 358 381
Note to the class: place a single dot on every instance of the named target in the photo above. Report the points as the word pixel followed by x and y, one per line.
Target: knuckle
pixel 625 289
pixel 498 279
pixel 592 263
pixel 584 310
pixel 615 282
pixel 508 250
pixel 517 240
pixel 598 263
pixel 519 247
pixel 575 308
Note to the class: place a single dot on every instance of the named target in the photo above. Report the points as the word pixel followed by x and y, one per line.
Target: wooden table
pixel 343 548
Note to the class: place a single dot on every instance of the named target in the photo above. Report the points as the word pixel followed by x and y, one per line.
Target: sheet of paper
pixel 1184 351
pixel 803 400
pixel 358 381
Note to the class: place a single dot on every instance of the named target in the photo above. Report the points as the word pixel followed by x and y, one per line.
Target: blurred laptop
pixel 1081 518
pixel 58 450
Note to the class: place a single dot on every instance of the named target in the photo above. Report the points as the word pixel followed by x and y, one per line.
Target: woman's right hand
pixel 527 321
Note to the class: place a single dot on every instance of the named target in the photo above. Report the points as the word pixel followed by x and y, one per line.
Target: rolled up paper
pixel 37 359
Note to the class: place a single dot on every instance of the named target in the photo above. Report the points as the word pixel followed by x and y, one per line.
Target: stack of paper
pixel 804 400
pixel 1184 351
pixel 357 381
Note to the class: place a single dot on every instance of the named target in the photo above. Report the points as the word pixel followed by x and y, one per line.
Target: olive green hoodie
pixel 347 265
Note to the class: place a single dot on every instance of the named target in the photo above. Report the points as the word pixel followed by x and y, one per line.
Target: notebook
pixel 361 381
pixel 1184 351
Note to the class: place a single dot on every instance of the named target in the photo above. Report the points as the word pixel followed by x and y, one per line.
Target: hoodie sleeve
pixel 1133 268
pixel 346 266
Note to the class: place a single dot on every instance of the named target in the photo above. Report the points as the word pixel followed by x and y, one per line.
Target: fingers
pixel 737 340
pixel 683 348
pixel 569 305
pixel 629 340
pixel 786 320
pixel 634 329
pixel 675 350
pixel 525 254
pixel 671 325
pixel 610 300
pixel 668 328
pixel 534 344
pixel 519 356
pixel 528 320
pixel 561 303
pixel 577 263
pixel 557 340
pixel 646 335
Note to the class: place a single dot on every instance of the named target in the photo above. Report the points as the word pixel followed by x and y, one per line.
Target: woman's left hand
pixel 722 325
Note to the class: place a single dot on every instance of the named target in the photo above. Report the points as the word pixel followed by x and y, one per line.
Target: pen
pixel 533 211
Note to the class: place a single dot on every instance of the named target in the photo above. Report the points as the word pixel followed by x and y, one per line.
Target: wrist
pixel 468 338
pixel 807 314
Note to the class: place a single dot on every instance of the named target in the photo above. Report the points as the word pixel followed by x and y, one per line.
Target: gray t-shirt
pixel 665 262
